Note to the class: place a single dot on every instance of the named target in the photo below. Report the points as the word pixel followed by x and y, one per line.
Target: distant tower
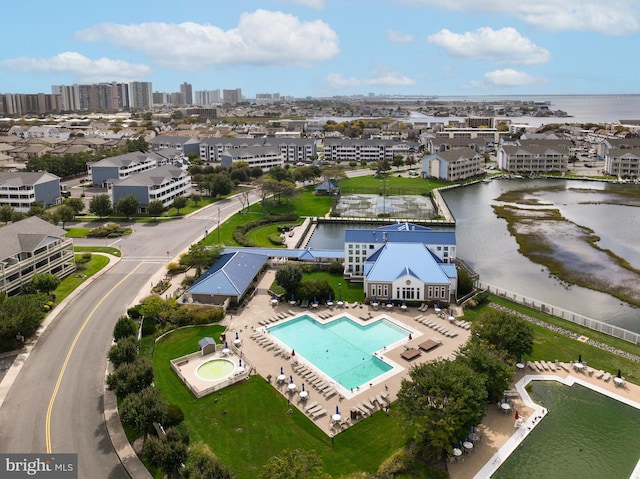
pixel 187 91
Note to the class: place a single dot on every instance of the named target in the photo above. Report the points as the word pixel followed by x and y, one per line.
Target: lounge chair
pixel 600 374
pixel 330 393
pixel 310 406
pixel 606 377
pixel 319 413
pixel 419 317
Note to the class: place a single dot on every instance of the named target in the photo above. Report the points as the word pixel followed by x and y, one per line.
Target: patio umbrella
pixel 226 345
pixel 389 300
pixel 410 337
pixel 293 352
pixel 579 358
pixel 619 373
pixel 292 298
pixel 291 379
pixel 303 386
pixel 329 300
pixel 237 335
pixel 240 363
pixel 315 300
pixel 337 411
pixel 517 416
pixel 438 305
pixel 375 299
pixel 506 398
pixel 281 370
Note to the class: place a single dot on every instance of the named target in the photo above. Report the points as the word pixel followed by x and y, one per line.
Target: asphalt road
pixel 55 403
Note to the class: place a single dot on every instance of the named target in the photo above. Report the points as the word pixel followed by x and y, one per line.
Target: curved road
pixel 55 403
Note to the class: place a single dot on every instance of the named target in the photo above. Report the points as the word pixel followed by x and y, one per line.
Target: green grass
pixel 246 424
pixel 70 283
pixel 306 204
pixel 550 345
pixel 77 232
pixel 393 185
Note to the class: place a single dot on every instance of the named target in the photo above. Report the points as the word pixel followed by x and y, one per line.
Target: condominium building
pixel 29 247
pixel 453 165
pixel 534 156
pixel 623 163
pixel 21 190
pixel 118 167
pixel 265 157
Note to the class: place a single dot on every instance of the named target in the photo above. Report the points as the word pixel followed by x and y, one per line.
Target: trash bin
pixel 354 414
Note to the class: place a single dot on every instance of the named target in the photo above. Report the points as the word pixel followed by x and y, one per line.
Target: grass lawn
pixel 393 185
pixel 350 291
pixel 77 232
pixel 73 281
pixel 246 424
pixel 550 345
pixel 306 204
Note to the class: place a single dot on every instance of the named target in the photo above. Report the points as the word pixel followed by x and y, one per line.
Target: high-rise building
pixel 187 91
pixel 69 95
pixel 140 95
pixel 207 97
pixel 232 96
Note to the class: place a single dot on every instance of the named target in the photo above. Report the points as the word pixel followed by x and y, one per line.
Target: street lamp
pixel 340 286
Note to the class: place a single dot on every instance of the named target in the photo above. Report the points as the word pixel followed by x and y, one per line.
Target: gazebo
pixel 207 346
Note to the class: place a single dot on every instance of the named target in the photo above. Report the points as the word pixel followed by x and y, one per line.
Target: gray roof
pixel 27 235
pixel 20 178
pixel 126 159
pixel 451 156
pixel 152 177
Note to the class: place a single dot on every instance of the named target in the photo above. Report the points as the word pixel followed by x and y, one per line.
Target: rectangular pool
pixel 341 348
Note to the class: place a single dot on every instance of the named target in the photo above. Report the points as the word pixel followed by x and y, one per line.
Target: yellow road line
pixel 68 357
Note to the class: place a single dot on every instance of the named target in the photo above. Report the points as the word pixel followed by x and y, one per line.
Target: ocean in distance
pixel 580 108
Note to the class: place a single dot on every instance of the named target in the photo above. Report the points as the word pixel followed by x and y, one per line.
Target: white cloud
pixel 381 78
pixel 399 37
pixel 83 69
pixel 613 17
pixel 504 46
pixel 505 78
pixel 261 38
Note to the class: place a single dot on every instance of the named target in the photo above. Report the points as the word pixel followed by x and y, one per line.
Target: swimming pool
pixel 215 369
pixel 341 348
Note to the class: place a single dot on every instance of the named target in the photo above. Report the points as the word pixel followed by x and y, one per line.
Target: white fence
pixel 590 323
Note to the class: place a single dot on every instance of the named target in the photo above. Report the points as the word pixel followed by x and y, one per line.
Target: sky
pixel 323 48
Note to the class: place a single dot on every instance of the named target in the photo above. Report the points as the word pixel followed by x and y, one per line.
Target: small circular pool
pixel 215 369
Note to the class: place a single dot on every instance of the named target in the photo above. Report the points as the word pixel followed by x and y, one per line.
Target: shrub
pixel 400 461
pixel 134 312
pixel 148 326
pixel 125 327
pixel 175 415
pixel 336 268
pixel 276 239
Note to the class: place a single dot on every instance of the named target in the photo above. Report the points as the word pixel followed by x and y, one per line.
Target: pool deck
pixel 266 363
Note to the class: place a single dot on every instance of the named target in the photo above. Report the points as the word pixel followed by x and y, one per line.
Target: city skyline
pixel 323 48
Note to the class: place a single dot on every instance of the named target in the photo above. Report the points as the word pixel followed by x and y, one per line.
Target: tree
pixel 196 198
pixel 289 277
pixel 398 161
pixel 20 316
pixel 492 364
pixel 200 257
pixel 293 464
pixel 203 464
pixel 128 205
pixel 155 208
pixel 6 213
pixel 180 202
pixel 125 327
pixel 140 410
pixel 65 213
pixel 320 289
pixel 168 453
pixel 75 203
pixel 124 351
pixel 100 205
pixel 289 191
pixel 221 185
pixel 442 400
pixel 45 282
pixel 131 377
pixel 505 332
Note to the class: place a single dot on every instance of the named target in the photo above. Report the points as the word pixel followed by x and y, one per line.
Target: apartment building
pixel 265 157
pixel 339 149
pixel 118 167
pixel 623 163
pixel 534 156
pixel 21 190
pixel 32 246
pixel 453 165
pixel 163 183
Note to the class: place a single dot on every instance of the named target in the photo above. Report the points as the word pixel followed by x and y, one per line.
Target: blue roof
pixel 327 185
pixel 206 341
pixel 230 275
pixel 403 226
pixel 424 236
pixel 394 260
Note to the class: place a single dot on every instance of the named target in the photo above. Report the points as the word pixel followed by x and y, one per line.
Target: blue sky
pixel 322 48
